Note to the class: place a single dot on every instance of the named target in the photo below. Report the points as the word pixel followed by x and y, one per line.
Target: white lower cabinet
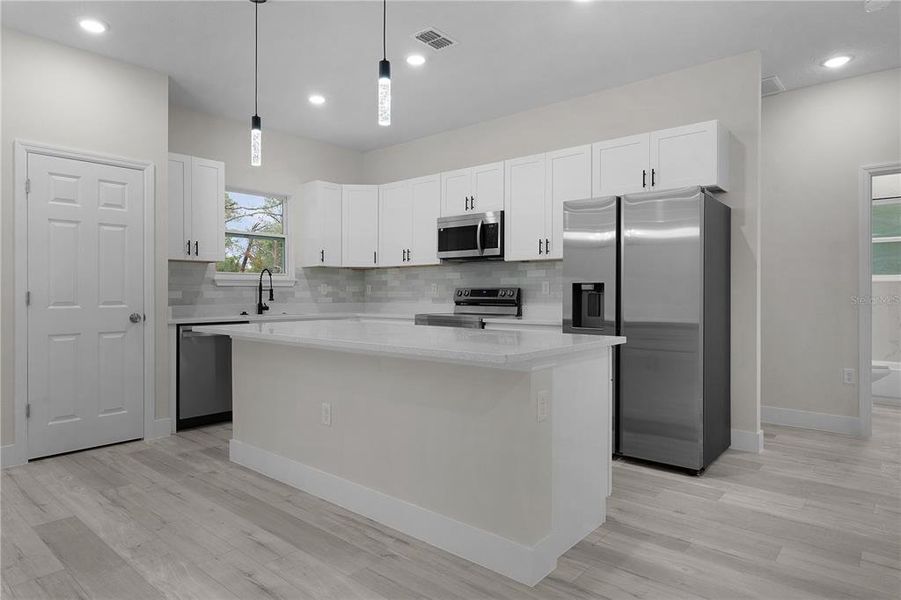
pixel 535 189
pixel 196 190
pixel 318 219
pixel 359 225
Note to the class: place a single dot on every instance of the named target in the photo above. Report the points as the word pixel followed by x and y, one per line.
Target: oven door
pixel 467 237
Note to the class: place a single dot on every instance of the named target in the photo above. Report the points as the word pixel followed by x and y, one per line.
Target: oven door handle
pixel 479 236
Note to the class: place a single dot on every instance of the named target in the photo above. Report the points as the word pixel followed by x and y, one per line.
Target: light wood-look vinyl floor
pixel 817 515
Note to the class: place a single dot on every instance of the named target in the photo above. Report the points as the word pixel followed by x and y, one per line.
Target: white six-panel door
pixel 85 278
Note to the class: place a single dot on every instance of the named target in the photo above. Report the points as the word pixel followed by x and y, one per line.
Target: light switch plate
pixel 368 289
pixel 546 288
pixel 849 377
pixel 434 290
pixel 323 288
pixel 325 416
pixel 543 406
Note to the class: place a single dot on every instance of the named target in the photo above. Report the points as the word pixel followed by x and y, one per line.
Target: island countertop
pixel 505 349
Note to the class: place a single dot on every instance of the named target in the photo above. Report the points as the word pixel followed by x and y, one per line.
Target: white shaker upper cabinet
pixel 695 154
pixel 425 194
pixel 487 188
pixel 620 166
pixel 525 218
pixel 319 222
pixel 395 223
pixel 360 225
pixel 474 189
pixel 196 209
pixel 568 178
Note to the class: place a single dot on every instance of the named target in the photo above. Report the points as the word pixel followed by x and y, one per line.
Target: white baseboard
pixel 525 564
pixel 887 400
pixel 12 455
pixel 159 428
pixel 810 420
pixel 747 441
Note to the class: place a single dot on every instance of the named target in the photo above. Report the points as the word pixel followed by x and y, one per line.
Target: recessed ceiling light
pixel 317 99
pixel 416 60
pixel 93 25
pixel 837 61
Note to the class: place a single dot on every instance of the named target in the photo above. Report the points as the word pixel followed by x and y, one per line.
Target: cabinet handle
pixel 644 178
pixel 466 203
pixel 472 202
pixel 547 245
pixel 408 254
pixel 374 258
pixel 196 248
pixel 539 245
pixel 653 177
pixel 188 251
pixel 322 255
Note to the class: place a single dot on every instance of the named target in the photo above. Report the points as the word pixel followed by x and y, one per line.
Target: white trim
pixel 11 456
pixel 747 441
pixel 886 278
pixel 226 279
pixel 21 150
pixel 865 290
pixel 790 417
pixel 525 564
pixel 159 428
pixel 881 240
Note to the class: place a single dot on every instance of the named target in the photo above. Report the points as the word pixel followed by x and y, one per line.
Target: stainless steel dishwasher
pixel 204 375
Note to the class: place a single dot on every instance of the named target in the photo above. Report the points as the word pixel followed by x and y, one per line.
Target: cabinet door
pixel 684 156
pixel 330 222
pixel 487 192
pixel 359 225
pixel 425 193
pixel 179 207
pixel 395 223
pixel 568 178
pixel 524 218
pixel 455 192
pixel 620 166
pixel 207 209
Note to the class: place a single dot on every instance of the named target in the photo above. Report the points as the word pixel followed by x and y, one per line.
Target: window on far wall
pixel 885 223
pixel 255 237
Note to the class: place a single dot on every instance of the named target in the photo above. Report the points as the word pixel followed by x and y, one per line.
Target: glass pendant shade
pixel 384 93
pixel 256 141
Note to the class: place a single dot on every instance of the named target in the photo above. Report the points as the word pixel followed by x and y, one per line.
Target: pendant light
pixel 384 74
pixel 256 124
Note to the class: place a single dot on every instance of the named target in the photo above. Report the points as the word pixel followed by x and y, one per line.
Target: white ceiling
pixel 510 56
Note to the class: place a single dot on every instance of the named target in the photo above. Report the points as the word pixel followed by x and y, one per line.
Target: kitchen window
pixel 886 228
pixel 256 238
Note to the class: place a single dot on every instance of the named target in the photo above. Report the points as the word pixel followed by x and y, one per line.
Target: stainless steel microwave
pixel 471 237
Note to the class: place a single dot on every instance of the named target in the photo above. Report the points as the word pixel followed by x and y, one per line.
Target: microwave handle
pixel 479 236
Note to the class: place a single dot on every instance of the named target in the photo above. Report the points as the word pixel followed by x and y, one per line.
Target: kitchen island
pixel 492 445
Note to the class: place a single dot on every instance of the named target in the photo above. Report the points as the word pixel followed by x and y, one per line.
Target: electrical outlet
pixel 325 416
pixel 849 376
pixel 323 288
pixel 543 406
pixel 434 290
pixel 368 289
pixel 546 288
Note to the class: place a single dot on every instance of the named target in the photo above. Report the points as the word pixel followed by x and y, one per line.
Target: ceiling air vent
pixel 770 86
pixel 434 39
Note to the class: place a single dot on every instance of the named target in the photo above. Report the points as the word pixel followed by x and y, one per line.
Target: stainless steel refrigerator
pixel 654 267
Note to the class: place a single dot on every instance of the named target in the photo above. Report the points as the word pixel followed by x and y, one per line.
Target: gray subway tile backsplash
pixel 193 284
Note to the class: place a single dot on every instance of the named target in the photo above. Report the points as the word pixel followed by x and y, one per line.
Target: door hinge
pixel 28 411
pixel 27 298
pixel 27 186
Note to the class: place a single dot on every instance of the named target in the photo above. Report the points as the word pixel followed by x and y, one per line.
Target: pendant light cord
pixel 256 52
pixel 384 29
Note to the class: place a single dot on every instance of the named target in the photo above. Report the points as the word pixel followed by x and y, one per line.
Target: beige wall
pixel 56 95
pixel 814 142
pixel 727 89
pixel 288 161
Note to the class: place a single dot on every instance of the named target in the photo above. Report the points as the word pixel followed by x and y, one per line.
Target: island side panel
pixel 458 440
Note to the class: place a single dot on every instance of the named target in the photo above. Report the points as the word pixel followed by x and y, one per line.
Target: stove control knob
pixel 465 292
pixel 459 292
pixel 503 293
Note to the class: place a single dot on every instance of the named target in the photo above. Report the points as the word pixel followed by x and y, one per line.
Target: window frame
pixel 884 239
pixel 286 279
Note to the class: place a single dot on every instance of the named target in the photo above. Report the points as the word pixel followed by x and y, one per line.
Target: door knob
pixel 135 317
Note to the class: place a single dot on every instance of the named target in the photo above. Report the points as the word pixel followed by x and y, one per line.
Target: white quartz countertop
pixel 288 317
pixel 506 349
